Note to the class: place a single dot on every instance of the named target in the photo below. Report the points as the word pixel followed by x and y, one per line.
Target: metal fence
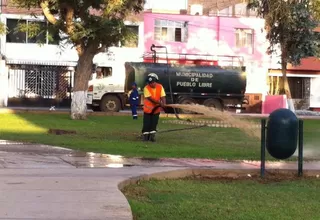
pixel 39 85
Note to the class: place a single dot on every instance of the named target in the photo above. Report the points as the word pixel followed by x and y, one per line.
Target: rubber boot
pixel 146 137
pixel 153 137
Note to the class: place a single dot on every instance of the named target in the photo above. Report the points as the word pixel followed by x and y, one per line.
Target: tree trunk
pixel 81 80
pixel 285 89
pixel 277 86
pixel 271 85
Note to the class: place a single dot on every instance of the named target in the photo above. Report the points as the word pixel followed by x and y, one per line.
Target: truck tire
pixel 213 103
pixel 110 103
pixel 186 101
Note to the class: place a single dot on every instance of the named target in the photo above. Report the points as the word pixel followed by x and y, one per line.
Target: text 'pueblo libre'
pixel 194 79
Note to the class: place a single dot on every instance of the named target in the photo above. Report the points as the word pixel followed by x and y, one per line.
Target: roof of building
pixel 308 64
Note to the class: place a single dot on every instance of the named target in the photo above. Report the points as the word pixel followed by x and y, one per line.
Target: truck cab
pixel 106 91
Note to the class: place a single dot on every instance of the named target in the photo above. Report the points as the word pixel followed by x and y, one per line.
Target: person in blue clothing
pixel 134 100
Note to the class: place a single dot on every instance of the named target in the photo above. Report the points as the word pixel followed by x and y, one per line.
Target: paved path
pixel 43 182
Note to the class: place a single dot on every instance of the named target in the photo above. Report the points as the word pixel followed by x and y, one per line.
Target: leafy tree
pixel 3 28
pixel 289 26
pixel 91 26
pixel 315 8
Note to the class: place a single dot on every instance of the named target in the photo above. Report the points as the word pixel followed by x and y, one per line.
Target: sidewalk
pixel 43 182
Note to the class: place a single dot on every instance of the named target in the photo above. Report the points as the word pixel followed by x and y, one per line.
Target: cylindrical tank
pixel 188 79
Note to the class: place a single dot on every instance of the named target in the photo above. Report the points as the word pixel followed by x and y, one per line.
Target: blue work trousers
pixel 134 111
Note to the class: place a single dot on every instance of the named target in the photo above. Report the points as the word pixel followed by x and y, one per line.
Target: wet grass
pixel 118 135
pixel 235 200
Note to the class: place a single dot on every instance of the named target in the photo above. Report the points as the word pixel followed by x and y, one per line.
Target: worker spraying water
pixel 154 98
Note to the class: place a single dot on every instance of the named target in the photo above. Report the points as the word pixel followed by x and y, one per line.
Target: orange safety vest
pixel 148 106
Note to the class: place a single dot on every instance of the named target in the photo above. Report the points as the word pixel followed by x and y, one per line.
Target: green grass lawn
pixel 236 200
pixel 118 135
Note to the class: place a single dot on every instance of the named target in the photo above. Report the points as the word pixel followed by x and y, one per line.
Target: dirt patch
pixel 270 177
pixel 124 134
pixel 121 135
pixel 61 132
pixel 138 192
pixel 222 175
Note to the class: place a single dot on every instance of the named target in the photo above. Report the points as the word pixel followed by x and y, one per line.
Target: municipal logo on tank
pixel 100 87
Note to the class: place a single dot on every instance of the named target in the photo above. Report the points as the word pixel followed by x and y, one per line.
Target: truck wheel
pixel 186 101
pixel 110 103
pixel 213 103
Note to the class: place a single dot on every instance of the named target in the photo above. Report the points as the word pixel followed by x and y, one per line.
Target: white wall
pixel 315 92
pixel 34 52
pixel 3 84
pixel 166 4
pixel 256 78
pixel 238 10
pixel 120 54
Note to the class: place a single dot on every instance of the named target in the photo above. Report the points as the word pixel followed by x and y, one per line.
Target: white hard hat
pixel 153 75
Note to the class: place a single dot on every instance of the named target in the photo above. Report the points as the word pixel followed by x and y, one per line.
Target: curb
pixel 205 172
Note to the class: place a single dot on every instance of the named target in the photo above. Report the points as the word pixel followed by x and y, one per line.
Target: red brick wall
pixel 8 8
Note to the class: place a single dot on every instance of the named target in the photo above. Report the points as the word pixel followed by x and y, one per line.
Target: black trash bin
pixel 282 133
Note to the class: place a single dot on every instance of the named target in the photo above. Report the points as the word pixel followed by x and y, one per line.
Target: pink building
pixel 210 38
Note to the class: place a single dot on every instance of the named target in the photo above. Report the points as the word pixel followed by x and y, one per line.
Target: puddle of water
pixel 95 160
pixel 5 142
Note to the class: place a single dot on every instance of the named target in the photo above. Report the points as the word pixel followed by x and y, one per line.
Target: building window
pixel 244 38
pixel 14 36
pixel 46 35
pixel 170 31
pixel 40 36
pixel 133 41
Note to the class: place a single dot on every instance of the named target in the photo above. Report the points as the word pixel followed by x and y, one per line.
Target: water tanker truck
pixel 212 86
